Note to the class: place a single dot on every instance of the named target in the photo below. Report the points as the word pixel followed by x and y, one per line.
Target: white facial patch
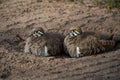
pixel 74 34
pixel 38 35
pixel 40 32
pixel 77 32
pixel 78 51
pixel 34 35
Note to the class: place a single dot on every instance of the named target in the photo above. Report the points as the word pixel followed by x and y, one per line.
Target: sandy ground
pixel 18 17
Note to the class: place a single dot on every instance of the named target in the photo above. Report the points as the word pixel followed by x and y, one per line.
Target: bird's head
pixel 37 32
pixel 75 31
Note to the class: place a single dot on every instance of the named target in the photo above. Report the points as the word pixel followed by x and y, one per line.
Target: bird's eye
pixel 36 32
pixel 74 30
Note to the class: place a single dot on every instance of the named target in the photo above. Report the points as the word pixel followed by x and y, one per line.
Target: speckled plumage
pixel 43 45
pixel 88 43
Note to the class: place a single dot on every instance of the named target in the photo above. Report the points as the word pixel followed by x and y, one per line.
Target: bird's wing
pixel 38 46
pixel 82 46
pixel 103 35
pixel 108 44
pixel 90 45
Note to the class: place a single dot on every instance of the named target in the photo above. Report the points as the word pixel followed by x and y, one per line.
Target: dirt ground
pixel 18 17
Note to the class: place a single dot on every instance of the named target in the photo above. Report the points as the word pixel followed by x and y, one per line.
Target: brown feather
pixel 36 45
pixel 89 42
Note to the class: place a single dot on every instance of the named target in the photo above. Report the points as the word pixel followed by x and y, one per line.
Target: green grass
pixel 81 1
pixel 110 4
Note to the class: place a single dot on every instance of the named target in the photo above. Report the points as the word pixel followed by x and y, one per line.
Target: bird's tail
pixel 116 37
pixel 109 43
